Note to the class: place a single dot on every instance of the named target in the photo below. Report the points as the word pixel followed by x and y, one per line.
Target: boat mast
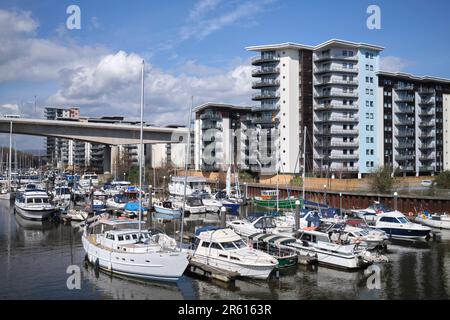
pixel 141 146
pixel 10 157
pixel 186 157
pixel 278 169
pixel 304 165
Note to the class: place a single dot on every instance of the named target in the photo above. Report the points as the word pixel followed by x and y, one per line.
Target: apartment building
pixel 415 122
pixel 220 137
pixel 328 90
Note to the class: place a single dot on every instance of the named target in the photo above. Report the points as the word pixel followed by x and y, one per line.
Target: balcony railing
pixel 426 112
pixel 336 144
pixel 258 60
pixel 404 122
pixel 337 119
pixel 427 135
pixel 211 115
pixel 264 120
pixel 265 96
pixel 337 81
pixel 343 156
pixel 404 157
pixel 265 70
pixel 427 102
pixel 265 84
pixel 430 145
pixel 404 98
pixel 335 69
pixel 430 123
pixel 404 109
pixel 402 87
pixel 325 57
pixel 405 145
pixel 338 94
pixel 336 132
pixel 408 133
pixel 335 106
pixel 423 90
pixel 426 168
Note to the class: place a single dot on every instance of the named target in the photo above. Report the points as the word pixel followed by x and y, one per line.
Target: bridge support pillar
pixel 107 159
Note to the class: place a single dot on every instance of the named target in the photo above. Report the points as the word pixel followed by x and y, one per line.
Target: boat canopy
pixel 219 235
pixel 272 238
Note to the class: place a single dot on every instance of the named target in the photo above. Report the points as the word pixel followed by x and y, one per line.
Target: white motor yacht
pixel 253 224
pixel 34 205
pixel 121 249
pixel 224 249
pixel 396 225
pixel 439 221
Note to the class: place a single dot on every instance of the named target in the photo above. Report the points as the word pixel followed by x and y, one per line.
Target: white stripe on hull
pixel 33 214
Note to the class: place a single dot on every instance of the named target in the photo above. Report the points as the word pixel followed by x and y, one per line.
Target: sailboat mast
pixel 304 164
pixel 10 157
pixel 186 157
pixel 141 153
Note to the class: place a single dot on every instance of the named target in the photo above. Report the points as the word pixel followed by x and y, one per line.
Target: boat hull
pixel 254 271
pixel 166 213
pixel 438 224
pixel 163 266
pixel 282 204
pixel 31 214
pixel 405 233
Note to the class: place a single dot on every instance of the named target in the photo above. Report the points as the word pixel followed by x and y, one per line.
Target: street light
pixel 340 203
pixel 325 193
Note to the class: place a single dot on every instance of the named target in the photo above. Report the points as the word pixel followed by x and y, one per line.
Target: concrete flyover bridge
pixel 94 132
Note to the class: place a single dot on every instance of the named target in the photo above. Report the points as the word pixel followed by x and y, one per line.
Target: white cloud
pixel 9 108
pixel 113 87
pixel 202 7
pixel 394 64
pixel 23 56
pixel 205 26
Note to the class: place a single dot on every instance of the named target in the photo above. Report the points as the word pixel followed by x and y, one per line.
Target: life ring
pixel 410 214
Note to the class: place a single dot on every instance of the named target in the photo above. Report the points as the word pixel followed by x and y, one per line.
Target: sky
pixel 190 47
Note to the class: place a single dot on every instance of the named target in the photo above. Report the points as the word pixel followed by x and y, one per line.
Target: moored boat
pixel 439 221
pixel 34 205
pixel 396 225
pixel 166 210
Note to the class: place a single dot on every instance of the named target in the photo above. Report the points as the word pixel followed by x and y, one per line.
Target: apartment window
pixel 371 79
pixel 367 140
pixel 350 53
pixel 371 68
pixel 371 103
pixel 371 128
pixel 352 164
pixel 344 65
pixel 371 116
pixel 344 102
pixel 367 67
pixel 344 77
pixel 350 65
pixel 367 115
pixel 367 127
pixel 350 102
pixel 367 91
pixel 367 79
pixel 367 103
pixel 367 55
pixel 352 151
pixel 344 151
pixel 367 152
pixel 344 53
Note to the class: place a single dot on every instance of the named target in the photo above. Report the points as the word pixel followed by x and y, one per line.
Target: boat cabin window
pixel 240 244
pixel 215 245
pixel 228 246
pixel 205 244
pixel 389 219
pixel 265 223
pixel 306 237
pixel 29 200
pixel 403 220
pixel 127 237
pixel 134 236
pixel 110 236
pixel 120 238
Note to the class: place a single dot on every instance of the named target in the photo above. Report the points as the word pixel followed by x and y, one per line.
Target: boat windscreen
pixel 228 245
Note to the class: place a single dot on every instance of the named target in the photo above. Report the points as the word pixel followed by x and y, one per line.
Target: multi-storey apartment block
pixel 328 90
pixel 219 137
pixel 414 120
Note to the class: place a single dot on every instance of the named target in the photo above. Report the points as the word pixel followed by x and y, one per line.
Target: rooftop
pixel 221 105
pixel 409 76
pixel 332 42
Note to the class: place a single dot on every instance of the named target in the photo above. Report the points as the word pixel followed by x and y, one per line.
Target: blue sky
pixel 191 47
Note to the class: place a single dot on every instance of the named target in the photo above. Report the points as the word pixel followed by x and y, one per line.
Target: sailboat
pixel 225 197
pixel 6 193
pixel 123 250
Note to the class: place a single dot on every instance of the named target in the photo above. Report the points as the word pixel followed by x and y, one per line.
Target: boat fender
pixel 96 264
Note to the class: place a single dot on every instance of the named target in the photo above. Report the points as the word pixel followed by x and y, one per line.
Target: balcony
pixel 404 122
pixel 407 168
pixel 353 70
pixel 404 87
pixel 427 135
pixel 335 106
pixel 265 71
pixel 337 94
pixel 343 156
pixel 336 132
pixel 337 119
pixel 430 123
pixel 210 167
pixel 426 168
pixel 269 107
pixel 403 157
pixel 211 125
pixel 337 81
pixel 265 84
pixel 336 145
pixel 404 109
pixel 406 133
pixel 404 98
pixel 264 120
pixel 423 90
pixel 262 59
pixel 211 116
pixel 328 57
pixel 427 102
pixel 265 96
pixel 425 146
pixel 426 112
pixel 405 145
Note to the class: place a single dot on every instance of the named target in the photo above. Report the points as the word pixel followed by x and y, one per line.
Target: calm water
pixel 34 257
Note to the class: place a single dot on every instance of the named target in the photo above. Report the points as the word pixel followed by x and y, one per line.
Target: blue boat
pixel 165 210
pixel 132 207
pixel 232 207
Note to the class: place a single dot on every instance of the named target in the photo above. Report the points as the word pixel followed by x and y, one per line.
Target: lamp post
pixel 164 186
pixel 340 204
pixel 395 200
pixel 325 193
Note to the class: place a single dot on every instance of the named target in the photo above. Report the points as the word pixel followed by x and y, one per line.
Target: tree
pixel 296 181
pixel 443 180
pixel 381 181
